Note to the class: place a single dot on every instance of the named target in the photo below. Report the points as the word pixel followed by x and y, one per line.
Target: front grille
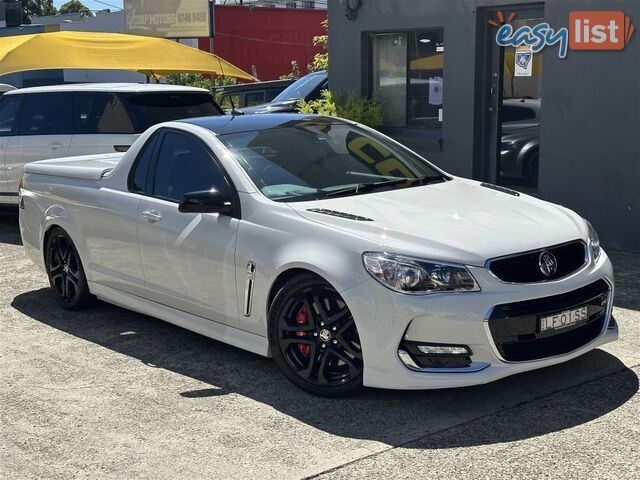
pixel 525 267
pixel 515 327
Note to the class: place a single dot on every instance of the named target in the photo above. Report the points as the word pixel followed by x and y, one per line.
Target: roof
pixel 226 124
pixel 108 87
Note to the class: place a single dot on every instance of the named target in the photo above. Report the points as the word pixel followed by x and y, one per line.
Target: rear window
pixel 516 114
pixel 146 110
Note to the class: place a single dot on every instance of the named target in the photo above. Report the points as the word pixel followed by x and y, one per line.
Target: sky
pixel 94 4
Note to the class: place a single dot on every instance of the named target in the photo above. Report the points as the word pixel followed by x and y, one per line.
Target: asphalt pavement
pixel 108 393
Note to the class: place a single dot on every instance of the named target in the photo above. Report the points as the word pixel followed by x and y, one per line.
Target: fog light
pixel 443 350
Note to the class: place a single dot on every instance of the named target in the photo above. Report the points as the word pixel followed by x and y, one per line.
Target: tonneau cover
pixel 86 167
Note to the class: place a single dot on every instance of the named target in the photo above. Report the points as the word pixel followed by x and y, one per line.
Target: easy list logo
pixel 586 31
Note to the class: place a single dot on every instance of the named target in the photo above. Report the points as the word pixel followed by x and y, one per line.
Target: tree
pixel 36 8
pixel 74 6
pixel 320 60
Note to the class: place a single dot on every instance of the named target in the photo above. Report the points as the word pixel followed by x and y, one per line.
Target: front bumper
pixel 384 318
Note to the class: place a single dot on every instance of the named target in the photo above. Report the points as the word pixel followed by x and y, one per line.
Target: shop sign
pixel 586 31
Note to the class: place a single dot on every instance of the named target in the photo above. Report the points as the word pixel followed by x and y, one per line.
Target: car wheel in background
pixel 64 268
pixel 313 337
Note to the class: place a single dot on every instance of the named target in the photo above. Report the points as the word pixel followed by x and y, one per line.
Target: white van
pixel 65 120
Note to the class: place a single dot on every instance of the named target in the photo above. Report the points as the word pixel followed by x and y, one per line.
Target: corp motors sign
pixel 586 31
pixel 168 18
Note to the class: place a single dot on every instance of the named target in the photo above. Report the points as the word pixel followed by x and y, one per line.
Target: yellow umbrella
pixel 155 57
pixel 433 62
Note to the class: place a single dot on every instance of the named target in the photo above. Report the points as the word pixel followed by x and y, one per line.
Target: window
pixel 184 165
pixel 150 109
pixel 306 87
pixel 511 113
pixel 47 114
pixel 100 113
pixel 253 98
pixel 228 102
pixel 407 76
pixel 138 179
pixel 313 160
pixel 9 108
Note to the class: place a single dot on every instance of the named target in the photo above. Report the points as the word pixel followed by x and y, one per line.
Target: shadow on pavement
pixel 391 417
pixel 9 229
pixel 626 267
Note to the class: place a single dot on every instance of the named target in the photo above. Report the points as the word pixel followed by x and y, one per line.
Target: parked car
pixel 249 94
pixel 305 88
pixel 520 142
pixel 48 122
pixel 324 244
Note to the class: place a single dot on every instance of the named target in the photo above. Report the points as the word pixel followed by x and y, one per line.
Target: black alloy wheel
pixel 313 337
pixel 64 268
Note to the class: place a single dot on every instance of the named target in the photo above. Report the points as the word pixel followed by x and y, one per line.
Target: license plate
pixel 561 320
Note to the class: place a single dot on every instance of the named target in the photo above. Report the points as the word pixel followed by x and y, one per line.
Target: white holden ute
pixel 344 256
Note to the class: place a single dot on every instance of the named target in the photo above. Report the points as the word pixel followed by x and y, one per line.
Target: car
pixel 306 88
pixel 4 88
pixel 344 256
pixel 242 95
pixel 57 121
pixel 520 142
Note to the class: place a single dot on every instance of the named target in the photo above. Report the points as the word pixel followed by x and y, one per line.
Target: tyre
pixel 66 275
pixel 313 337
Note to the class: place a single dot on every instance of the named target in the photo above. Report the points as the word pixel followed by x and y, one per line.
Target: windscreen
pixel 301 88
pixel 309 160
pixel 150 109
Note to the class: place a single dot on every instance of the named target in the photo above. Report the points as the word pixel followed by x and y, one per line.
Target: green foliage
pixel 74 6
pixel 367 111
pixel 294 74
pixel 320 60
pixel 200 81
pixel 36 8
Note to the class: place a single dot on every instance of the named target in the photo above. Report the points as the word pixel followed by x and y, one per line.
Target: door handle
pixel 152 216
pixel 55 146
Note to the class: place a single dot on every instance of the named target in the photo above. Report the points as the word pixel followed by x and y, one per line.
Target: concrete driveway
pixel 108 393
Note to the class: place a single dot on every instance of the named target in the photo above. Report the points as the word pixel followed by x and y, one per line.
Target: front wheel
pixel 313 337
pixel 64 268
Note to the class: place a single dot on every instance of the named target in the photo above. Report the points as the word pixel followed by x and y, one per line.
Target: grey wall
pixel 590 135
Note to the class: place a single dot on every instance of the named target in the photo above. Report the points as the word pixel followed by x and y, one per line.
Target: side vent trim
pixel 335 213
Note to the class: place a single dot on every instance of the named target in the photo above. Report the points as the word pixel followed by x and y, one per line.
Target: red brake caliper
pixel 302 317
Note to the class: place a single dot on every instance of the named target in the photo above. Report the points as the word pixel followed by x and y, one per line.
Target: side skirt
pixel 209 328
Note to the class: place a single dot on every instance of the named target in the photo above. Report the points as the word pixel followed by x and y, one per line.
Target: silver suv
pixel 66 120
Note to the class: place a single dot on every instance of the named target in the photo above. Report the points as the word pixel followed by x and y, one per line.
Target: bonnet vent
pixel 335 213
pixel 508 191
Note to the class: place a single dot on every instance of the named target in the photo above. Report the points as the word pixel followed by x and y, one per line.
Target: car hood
pixel 457 221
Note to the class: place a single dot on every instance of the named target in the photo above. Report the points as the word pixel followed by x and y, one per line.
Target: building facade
pixel 562 125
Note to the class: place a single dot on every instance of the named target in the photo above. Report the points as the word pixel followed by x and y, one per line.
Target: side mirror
pixel 205 201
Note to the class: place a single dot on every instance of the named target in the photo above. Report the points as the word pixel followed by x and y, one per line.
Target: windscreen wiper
pixel 369 187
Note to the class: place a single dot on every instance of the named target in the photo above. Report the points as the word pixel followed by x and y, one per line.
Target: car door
pixel 9 108
pixel 187 258
pixel 44 131
pixel 101 124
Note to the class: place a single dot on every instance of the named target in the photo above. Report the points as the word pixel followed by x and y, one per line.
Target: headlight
pixel 594 242
pixel 416 276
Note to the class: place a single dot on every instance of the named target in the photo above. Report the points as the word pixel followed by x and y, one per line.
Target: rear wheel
pixel 64 268
pixel 313 337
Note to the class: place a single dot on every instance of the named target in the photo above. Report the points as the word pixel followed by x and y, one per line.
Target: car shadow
pixel 9 228
pixel 391 417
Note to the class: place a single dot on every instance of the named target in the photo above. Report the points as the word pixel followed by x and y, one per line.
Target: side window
pixel 516 114
pixel 229 101
pixel 254 98
pixel 138 178
pixel 46 114
pixel 184 165
pixel 9 108
pixel 100 113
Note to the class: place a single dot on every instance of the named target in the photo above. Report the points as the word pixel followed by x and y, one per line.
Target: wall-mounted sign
pixel 610 30
pixel 168 18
